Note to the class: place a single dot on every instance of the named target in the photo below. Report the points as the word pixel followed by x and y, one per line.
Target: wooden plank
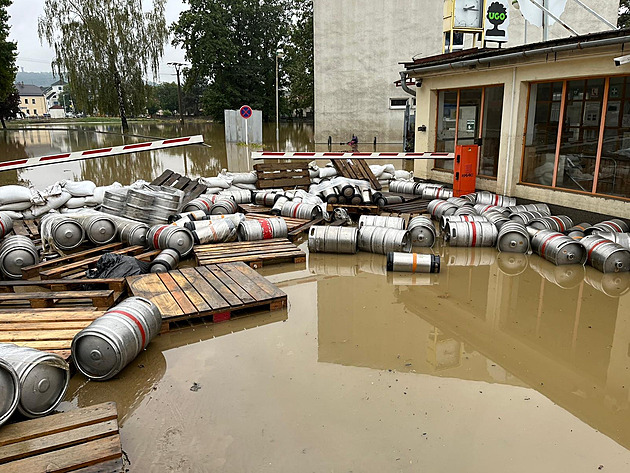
pixel 212 296
pixel 280 166
pixel 34 325
pixel 260 280
pixel 36 336
pixel 293 174
pixel 302 228
pixel 178 294
pixel 171 179
pixel 22 431
pixel 45 345
pixel 47 443
pixel 43 315
pixel 254 256
pixel 260 244
pixel 99 298
pixel 286 182
pixel 233 294
pixel 367 172
pixel 67 459
pixel 151 287
pixel 158 181
pixel 109 466
pixel 239 278
pixel 191 292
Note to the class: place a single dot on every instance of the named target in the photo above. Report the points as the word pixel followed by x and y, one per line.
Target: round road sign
pixel 246 111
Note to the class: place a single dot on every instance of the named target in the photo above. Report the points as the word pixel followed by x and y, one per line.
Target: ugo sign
pixel 246 111
pixel 497 21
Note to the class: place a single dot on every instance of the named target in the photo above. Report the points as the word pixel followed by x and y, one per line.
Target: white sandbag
pixel 377 170
pixel 313 173
pixel 12 194
pixel 245 185
pixel 16 206
pixel 28 215
pixel 316 180
pixel 76 202
pixel 213 190
pixel 14 215
pixel 139 184
pixel 383 182
pixel 326 172
pixel 99 193
pixel 385 177
pixel 243 177
pixel 402 174
pixel 53 203
pixel 65 210
pixel 215 182
pixel 79 188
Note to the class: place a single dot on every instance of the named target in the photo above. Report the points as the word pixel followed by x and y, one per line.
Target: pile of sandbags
pixel 226 180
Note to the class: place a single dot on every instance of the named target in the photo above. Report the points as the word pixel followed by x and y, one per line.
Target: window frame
pixel 601 132
pixel 481 117
pixel 400 107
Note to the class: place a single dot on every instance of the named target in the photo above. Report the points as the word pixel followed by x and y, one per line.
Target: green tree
pixel 8 52
pixel 298 61
pixel 166 94
pixel 105 48
pixel 231 45
pixel 624 14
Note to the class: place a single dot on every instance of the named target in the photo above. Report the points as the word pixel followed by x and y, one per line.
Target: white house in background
pixel 57 111
pixel 53 94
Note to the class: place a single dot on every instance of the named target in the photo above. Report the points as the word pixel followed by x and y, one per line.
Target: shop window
pixel 591 151
pixel 464 116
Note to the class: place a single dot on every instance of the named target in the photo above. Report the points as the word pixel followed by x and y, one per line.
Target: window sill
pixel 573 191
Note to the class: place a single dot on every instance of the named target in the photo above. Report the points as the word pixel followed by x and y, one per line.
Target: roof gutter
pixel 516 55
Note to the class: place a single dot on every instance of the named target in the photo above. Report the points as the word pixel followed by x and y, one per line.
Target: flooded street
pixel 500 363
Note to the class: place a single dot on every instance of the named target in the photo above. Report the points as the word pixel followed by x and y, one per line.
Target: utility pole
pixel 279 54
pixel 177 65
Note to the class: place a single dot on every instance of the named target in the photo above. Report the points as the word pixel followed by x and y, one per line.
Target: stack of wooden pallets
pixel 191 188
pixel 356 168
pixel 282 175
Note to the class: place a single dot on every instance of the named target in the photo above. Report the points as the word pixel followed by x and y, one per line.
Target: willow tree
pixel 105 49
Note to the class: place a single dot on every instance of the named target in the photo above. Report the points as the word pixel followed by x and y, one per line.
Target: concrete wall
pixel 358 45
pixel 516 78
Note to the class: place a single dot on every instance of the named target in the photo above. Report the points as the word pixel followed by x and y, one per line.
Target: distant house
pixel 53 93
pixel 57 111
pixel 32 100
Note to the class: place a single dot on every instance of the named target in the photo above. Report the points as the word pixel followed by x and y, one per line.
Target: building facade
pixel 358 45
pixel 552 118
pixel 32 100
pixel 53 94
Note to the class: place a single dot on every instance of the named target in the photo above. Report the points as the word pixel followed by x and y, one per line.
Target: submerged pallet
pixel 282 175
pixel 50 330
pixel 254 253
pixel 83 440
pixel 356 168
pixel 217 291
pixel 191 188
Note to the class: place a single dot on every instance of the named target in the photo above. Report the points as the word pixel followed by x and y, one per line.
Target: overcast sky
pixel 35 57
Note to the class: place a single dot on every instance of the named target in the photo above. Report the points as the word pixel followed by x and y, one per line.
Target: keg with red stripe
pixel 301 210
pixel 217 231
pixel 437 193
pixel 223 206
pixel 111 342
pixel 557 248
pixel 240 196
pixel 612 225
pixel 488 198
pixel 439 208
pixel 555 223
pixel 6 224
pixel 470 234
pixel 161 237
pixel 460 218
pixel 622 239
pixel 605 255
pixel 382 240
pixel 266 198
pixel 262 229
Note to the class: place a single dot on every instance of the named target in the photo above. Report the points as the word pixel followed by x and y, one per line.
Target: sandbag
pixel 215 182
pixel 14 215
pixel 79 188
pixel 213 190
pixel 99 193
pixel 53 203
pixel 244 185
pixel 75 202
pixel 385 177
pixel 313 173
pixel 326 172
pixel 14 193
pixel 16 206
pixel 402 174
pixel 242 177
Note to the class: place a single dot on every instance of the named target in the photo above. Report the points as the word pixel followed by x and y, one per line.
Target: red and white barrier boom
pixel 100 153
pixel 342 155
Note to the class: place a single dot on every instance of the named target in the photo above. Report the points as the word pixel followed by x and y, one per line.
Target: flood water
pixel 500 363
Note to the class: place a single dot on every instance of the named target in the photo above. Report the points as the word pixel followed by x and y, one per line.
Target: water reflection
pixel 564 331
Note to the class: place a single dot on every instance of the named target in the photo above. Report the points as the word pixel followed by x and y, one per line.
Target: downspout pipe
pixel 519 54
pixel 403 83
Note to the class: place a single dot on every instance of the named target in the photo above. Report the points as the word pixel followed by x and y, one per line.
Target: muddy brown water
pixel 500 363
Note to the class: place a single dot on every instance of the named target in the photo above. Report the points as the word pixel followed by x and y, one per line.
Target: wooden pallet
pixel 414 207
pixel 83 440
pixel 222 291
pixel 356 168
pixel 74 266
pixel 254 253
pixel 49 330
pixel 282 175
pixel 103 299
pixel 191 188
pixel 254 208
pixel 118 285
pixel 29 228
